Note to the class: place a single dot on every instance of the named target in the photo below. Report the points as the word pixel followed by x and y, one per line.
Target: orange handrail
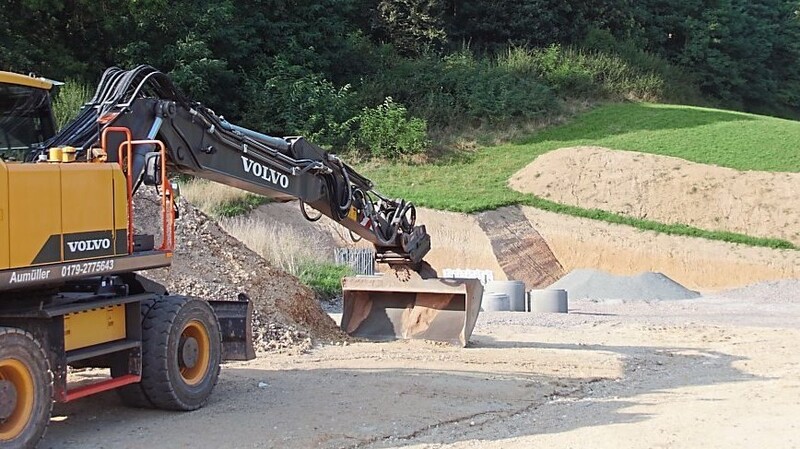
pixel 167 217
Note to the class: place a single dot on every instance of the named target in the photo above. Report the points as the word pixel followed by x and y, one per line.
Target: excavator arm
pixel 203 144
pixel 408 302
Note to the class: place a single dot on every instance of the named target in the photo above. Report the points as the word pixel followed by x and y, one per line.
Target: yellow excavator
pixel 70 294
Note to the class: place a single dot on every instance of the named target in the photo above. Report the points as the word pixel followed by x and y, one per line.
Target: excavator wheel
pixel 26 389
pixel 133 395
pixel 181 353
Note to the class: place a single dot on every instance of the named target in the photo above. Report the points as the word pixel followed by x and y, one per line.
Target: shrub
pixel 289 100
pixel 496 94
pixel 240 206
pixel 324 278
pixel 220 200
pixel 69 100
pixel 447 91
pixel 388 131
pixel 580 73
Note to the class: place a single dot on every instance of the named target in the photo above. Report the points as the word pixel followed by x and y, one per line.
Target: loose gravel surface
pixel 711 372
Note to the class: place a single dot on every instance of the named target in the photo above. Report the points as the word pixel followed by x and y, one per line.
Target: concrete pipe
pixel 495 302
pixel 515 291
pixel 548 301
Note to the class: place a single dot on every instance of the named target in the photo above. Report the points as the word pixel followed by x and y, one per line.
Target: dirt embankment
pixel 696 263
pixel 549 244
pixel 668 190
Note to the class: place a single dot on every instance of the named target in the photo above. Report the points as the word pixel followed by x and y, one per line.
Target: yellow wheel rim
pixel 194 375
pixel 19 375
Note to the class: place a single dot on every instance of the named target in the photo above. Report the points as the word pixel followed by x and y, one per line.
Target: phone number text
pixel 78 269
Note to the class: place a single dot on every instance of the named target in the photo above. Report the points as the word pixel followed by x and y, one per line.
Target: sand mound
pixel 599 285
pixel 667 189
pixel 209 263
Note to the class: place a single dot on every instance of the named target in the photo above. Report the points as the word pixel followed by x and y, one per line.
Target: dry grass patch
pixel 220 200
pixel 285 247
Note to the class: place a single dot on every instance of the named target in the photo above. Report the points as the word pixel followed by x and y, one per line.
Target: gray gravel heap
pixel 785 291
pixel 599 285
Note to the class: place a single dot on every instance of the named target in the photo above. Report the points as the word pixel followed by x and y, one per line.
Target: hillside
pixel 708 136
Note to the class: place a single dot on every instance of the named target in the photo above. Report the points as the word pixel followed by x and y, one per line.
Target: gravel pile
pixel 209 263
pixel 599 285
pixel 785 291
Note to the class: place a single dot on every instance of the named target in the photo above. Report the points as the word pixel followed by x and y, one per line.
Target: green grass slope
pixel 479 182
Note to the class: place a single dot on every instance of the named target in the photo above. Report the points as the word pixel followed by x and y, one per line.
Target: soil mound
pixel 667 189
pixel 599 285
pixel 209 263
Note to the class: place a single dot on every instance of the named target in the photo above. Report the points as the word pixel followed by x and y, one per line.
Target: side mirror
pixel 152 169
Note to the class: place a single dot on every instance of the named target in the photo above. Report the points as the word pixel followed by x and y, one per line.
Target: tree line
pixel 328 68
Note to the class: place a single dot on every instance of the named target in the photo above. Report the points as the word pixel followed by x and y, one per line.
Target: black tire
pixel 133 395
pixel 167 382
pixel 23 360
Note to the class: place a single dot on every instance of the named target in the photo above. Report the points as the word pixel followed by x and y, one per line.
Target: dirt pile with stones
pixel 209 263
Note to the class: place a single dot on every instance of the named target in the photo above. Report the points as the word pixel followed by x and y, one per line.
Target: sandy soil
pixel 698 264
pixel 667 189
pixel 716 373
pixel 459 242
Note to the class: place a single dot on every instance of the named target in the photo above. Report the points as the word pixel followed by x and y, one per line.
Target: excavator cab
pixel 26 117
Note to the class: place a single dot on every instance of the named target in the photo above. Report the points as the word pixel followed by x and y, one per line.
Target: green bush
pixel 461 87
pixel 580 73
pixel 324 278
pixel 290 100
pixel 240 206
pixel 69 100
pixel 388 131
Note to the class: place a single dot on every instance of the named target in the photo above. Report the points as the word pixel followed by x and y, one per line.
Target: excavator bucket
pixel 384 307
pixel 235 324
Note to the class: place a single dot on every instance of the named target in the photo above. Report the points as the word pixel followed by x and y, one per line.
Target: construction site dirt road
pixel 710 372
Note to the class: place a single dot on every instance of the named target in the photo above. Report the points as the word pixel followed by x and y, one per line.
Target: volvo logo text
pixel 265 173
pixel 89 245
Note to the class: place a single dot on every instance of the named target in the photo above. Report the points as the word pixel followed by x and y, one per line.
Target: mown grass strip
pixel 664 228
